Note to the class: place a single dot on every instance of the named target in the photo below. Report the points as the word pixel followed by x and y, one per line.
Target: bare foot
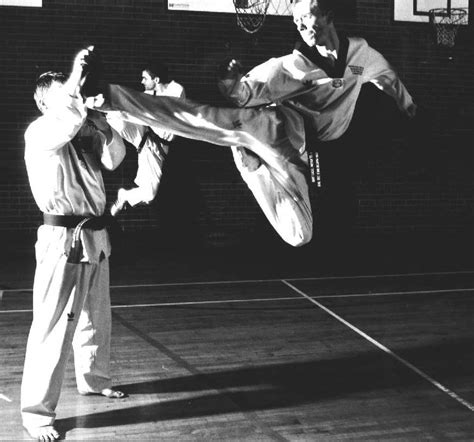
pixel 113 394
pixel 46 433
pixel 106 392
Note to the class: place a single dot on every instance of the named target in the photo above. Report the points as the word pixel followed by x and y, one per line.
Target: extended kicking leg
pixel 275 135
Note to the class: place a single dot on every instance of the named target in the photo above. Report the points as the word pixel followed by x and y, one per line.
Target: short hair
pixel 157 69
pixel 324 5
pixel 44 82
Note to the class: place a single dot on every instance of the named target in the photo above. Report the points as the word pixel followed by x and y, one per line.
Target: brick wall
pixel 408 178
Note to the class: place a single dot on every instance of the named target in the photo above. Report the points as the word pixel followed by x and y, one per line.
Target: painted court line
pixel 282 298
pixel 407 364
pixel 202 377
pixel 291 298
pixel 247 281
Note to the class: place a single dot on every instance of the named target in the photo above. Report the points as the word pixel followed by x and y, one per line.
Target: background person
pixel 152 145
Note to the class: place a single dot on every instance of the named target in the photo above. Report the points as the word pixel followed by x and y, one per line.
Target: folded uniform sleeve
pixel 112 153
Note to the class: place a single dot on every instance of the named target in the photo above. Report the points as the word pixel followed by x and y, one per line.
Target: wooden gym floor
pixel 354 356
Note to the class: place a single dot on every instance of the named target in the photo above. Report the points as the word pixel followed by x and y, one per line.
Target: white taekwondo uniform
pixel 151 150
pixel 278 95
pixel 71 302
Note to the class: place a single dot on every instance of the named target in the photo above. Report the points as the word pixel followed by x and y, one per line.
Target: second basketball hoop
pixel 446 23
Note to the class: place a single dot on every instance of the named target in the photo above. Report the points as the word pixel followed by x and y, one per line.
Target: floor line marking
pixel 283 298
pixel 286 298
pixel 246 281
pixel 204 378
pixel 382 347
pixel 5 398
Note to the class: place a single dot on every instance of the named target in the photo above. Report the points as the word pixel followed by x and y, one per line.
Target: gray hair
pixel 325 6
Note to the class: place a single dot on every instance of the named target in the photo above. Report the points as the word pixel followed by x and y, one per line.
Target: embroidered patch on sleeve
pixel 356 70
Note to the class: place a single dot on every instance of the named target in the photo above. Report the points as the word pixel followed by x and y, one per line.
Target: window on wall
pixel 30 3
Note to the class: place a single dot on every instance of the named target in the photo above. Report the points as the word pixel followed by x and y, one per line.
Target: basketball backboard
pixel 276 7
pixel 418 10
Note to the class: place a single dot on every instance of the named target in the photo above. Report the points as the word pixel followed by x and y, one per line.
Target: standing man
pixel 152 145
pixel 291 103
pixel 65 149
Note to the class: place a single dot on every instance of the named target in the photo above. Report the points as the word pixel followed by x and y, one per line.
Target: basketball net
pixel 251 14
pixel 446 24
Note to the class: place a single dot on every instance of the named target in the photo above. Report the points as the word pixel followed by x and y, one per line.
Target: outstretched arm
pixel 381 74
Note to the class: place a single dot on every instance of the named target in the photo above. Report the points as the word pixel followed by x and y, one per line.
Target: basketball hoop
pixel 446 23
pixel 251 14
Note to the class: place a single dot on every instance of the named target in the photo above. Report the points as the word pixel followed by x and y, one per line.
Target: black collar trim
pixel 336 71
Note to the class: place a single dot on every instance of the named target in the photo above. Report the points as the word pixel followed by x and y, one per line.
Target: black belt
pixel 72 221
pixel 159 142
pixel 77 223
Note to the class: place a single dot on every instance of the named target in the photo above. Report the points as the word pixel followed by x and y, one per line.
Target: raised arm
pixel 63 109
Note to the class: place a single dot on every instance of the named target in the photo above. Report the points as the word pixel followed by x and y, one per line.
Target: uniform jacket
pixel 64 156
pixel 327 97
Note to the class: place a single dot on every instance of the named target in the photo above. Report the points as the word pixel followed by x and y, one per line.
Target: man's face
pixel 312 24
pixel 147 81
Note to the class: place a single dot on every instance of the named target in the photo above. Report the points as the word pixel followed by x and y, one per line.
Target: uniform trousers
pixel 71 309
pixel 275 133
pixel 149 173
